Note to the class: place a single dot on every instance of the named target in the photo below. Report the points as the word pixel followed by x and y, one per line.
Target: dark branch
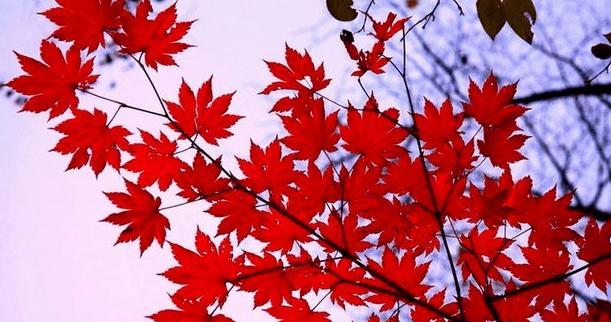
pixel 591 90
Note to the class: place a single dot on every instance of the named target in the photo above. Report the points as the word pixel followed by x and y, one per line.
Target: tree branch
pixel 591 90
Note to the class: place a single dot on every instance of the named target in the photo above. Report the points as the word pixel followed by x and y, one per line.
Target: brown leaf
pixel 491 15
pixel 601 51
pixel 342 10
pixel 411 3
pixel 521 16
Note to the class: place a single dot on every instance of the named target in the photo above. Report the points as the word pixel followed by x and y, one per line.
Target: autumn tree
pixel 365 206
pixel 561 67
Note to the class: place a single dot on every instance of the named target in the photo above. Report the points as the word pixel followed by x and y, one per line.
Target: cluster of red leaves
pixel 350 205
pixel 373 60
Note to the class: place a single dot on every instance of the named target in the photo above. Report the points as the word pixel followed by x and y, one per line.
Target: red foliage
pixel 157 39
pixel 78 25
pixel 348 203
pixel 141 215
pixel 51 84
pixel 90 139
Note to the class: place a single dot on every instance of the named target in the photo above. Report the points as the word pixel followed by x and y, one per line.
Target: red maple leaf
pixel 238 213
pixel 421 314
pixel 281 233
pixel 385 30
pixel 314 190
pixel 203 115
pixel 311 133
pixel 344 232
pixel 344 277
pixel 188 311
pixel 562 312
pixel 154 159
pixel 268 169
pixel 204 274
pixel 454 158
pixel 51 84
pixel 594 245
pixel 402 271
pixel 543 264
pixel 202 180
pixel 373 134
pixel 369 60
pixel 89 139
pixel 516 308
pixel 438 127
pixel 490 106
pixel 501 145
pixel 550 220
pixel 84 22
pixel 290 76
pixel 141 214
pixel 267 279
pixel 481 256
pixel 297 310
pixel 158 39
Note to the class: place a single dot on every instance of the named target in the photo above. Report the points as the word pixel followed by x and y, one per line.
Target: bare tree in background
pixel 570 117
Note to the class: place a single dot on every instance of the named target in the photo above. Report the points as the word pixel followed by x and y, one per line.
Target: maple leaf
pixel 344 232
pixel 550 220
pixel 544 264
pixel 89 139
pixel 311 133
pixel 267 278
pixel 599 311
pixel 438 127
pixel 238 213
pixel 188 311
pixel 314 190
pixel 402 271
pixel 489 205
pixel 373 134
pixel 474 306
pixel 202 115
pixel 298 67
pixel 422 314
pixel 306 273
pixel 268 169
pixel 141 215
pixel 155 161
pixel 204 274
pixel 595 244
pixel 490 106
pixel 455 158
pixel 297 310
pixel 562 312
pixel 51 84
pixel 345 275
pixel 516 308
pixel 385 30
pixel 84 22
pixel 360 186
pixel 482 256
pixel 501 146
pixel 158 39
pixel 202 180
pixel 280 233
pixel 372 61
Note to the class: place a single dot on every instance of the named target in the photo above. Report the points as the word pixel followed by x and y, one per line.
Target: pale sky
pixel 57 262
